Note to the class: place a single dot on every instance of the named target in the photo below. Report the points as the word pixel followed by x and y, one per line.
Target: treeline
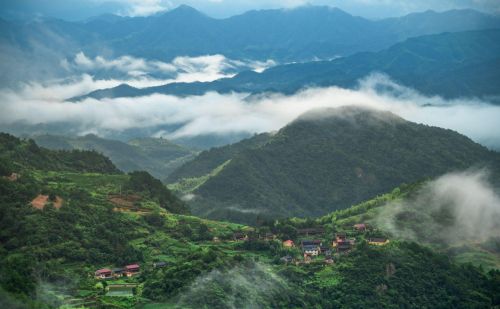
pixel 16 154
pixel 153 188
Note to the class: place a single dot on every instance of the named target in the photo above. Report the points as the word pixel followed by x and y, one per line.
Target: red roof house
pixel 288 243
pixel 103 273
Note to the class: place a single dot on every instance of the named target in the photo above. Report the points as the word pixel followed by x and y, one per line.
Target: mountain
pixel 325 160
pixel 157 156
pixel 289 35
pixel 49 255
pixel 463 64
pixel 299 34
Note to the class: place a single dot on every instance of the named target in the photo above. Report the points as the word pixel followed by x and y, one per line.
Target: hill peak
pixel 184 10
pixel 351 113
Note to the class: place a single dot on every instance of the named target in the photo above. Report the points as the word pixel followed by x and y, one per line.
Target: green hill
pixel 48 256
pixel 16 153
pixel 325 160
pixel 157 156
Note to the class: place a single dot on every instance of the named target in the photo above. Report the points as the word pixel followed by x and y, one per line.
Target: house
pixel 340 237
pixel 360 227
pixel 288 243
pixel 159 264
pixel 131 270
pixel 311 250
pixel 287 259
pixel 118 272
pixel 324 249
pixel 240 236
pixel 343 246
pixel 311 231
pixel 328 260
pixel 315 242
pixel 378 241
pixel 341 243
pixel 215 239
pixel 104 273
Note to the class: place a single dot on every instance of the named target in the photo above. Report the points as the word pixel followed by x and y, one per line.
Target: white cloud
pixel 139 72
pixel 214 113
pixel 145 7
pixel 455 208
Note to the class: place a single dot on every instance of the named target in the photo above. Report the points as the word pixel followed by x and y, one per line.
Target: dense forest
pixel 325 160
pixel 157 156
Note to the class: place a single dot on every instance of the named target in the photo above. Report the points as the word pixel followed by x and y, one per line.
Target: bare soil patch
pixel 41 200
pixel 126 201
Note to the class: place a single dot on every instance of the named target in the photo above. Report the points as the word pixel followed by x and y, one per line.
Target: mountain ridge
pixel 421 63
pixel 311 167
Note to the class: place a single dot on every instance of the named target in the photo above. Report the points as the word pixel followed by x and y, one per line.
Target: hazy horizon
pixel 79 10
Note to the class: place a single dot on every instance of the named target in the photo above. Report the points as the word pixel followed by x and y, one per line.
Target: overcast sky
pixel 82 9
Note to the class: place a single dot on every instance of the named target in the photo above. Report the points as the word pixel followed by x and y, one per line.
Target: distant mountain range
pixel 156 156
pixel 327 159
pixel 302 34
pixel 449 64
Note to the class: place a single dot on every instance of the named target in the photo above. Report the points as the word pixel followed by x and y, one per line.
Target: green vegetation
pixel 157 156
pixel 209 160
pixel 16 153
pixel 152 188
pixel 188 185
pixel 107 220
pixel 326 160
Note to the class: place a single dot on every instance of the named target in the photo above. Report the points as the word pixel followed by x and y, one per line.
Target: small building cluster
pixel 127 271
pixel 342 243
pixel 311 247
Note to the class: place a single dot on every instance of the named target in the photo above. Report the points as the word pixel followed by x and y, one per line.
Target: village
pixel 318 250
pixel 309 247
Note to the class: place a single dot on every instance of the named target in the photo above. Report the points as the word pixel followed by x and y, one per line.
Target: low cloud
pixel 215 113
pixel 89 74
pixel 253 285
pixel 457 208
pixel 181 69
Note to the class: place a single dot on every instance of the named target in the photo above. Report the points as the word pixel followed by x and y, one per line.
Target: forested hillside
pixel 154 155
pixel 94 221
pixel 464 64
pixel 18 154
pixel 301 34
pixel 325 160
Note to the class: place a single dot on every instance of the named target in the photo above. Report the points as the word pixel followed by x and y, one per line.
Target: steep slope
pixel 156 156
pixel 331 159
pixel 210 159
pixel 449 64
